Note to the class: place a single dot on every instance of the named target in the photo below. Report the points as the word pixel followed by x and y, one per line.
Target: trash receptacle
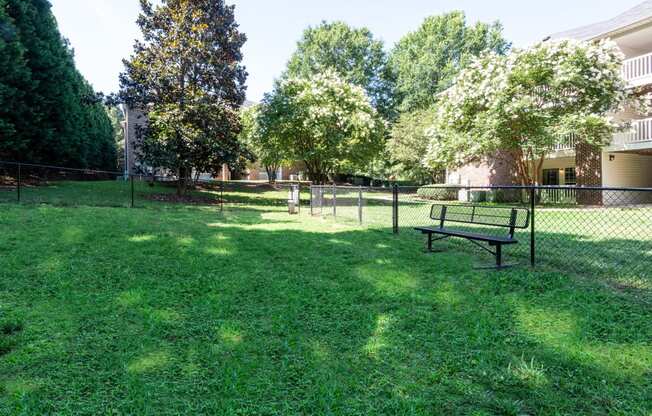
pixel 293 200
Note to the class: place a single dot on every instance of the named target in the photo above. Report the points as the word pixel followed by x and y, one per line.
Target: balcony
pixel 639 137
pixel 638 71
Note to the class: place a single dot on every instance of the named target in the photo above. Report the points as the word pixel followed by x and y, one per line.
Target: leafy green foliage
pixel 324 121
pixel 352 53
pixel 526 102
pixel 426 61
pixel 48 112
pixel 266 148
pixel 187 75
pixel 437 193
pixel 408 144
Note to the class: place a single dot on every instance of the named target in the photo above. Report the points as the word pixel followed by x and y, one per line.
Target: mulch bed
pixel 184 199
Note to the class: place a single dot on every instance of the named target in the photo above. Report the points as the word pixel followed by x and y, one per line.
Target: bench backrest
pixel 506 217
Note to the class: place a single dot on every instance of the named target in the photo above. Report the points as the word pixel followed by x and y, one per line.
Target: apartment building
pixel 627 160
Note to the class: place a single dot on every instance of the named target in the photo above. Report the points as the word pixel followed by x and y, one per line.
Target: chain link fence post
pixel 18 179
pixel 311 203
pixel 395 208
pixel 360 205
pixel 532 229
pixel 334 201
pixel 221 196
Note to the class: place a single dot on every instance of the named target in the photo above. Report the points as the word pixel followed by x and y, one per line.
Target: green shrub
pixel 437 193
pixel 504 196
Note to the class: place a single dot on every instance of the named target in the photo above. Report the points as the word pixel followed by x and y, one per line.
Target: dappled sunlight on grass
pixel 377 342
pixel 230 336
pixel 168 311
pixel 185 241
pixel 50 265
pixel 388 280
pixel 447 295
pixel 218 251
pixel 130 298
pixel 562 331
pixel 20 387
pixel 72 235
pixel 141 238
pixel 165 316
pixel 149 362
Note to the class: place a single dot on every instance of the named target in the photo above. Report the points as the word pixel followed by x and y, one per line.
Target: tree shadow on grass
pixel 623 264
pixel 187 313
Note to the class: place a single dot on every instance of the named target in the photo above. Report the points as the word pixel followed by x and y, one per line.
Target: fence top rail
pixel 36 165
pixel 490 187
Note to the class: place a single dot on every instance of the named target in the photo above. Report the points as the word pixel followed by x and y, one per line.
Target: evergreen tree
pixel 14 80
pixel 55 115
pixel 187 74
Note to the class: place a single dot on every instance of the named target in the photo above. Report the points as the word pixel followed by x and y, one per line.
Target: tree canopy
pixel 265 147
pixel 528 101
pixel 187 75
pixel 324 121
pixel 425 62
pixel 48 112
pixel 352 53
pixel 407 145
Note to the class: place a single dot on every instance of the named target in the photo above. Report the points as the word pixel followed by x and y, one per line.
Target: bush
pixel 437 193
pixel 504 196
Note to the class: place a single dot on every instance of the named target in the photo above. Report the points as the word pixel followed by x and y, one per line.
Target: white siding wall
pixel 627 170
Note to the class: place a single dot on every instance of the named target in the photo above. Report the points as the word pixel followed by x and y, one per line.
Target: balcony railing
pixel 641 132
pixel 567 143
pixel 637 69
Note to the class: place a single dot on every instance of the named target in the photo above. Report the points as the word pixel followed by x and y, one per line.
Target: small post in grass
pixel 131 179
pixel 221 196
pixel 360 205
pixel 311 204
pixel 334 201
pixel 18 184
pixel 532 238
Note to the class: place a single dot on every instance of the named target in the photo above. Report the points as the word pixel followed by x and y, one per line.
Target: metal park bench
pixel 482 216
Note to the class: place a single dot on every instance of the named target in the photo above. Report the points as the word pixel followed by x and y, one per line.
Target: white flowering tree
pixel 528 101
pixel 325 122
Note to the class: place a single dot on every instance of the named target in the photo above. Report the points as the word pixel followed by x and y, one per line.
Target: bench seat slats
pixel 466 234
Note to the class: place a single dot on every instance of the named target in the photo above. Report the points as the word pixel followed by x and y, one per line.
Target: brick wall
pixel 495 170
pixel 588 167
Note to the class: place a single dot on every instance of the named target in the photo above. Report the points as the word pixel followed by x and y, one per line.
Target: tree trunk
pixel 271 173
pixel 182 180
pixel 316 173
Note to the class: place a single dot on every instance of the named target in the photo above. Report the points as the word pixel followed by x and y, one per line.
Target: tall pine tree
pixel 50 114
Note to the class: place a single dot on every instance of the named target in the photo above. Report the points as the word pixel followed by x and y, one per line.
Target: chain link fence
pixel 53 185
pixel 605 231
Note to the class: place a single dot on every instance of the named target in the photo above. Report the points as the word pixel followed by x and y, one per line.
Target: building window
pixel 569 176
pixel 551 177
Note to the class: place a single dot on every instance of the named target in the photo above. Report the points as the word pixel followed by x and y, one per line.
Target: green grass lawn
pixel 188 310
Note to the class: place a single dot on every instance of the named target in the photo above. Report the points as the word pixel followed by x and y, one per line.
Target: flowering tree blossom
pixel 524 103
pixel 324 121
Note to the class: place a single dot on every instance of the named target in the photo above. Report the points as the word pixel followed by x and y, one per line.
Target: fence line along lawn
pixel 186 310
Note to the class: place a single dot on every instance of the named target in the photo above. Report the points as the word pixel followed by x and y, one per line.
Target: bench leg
pixel 498 254
pixel 429 243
